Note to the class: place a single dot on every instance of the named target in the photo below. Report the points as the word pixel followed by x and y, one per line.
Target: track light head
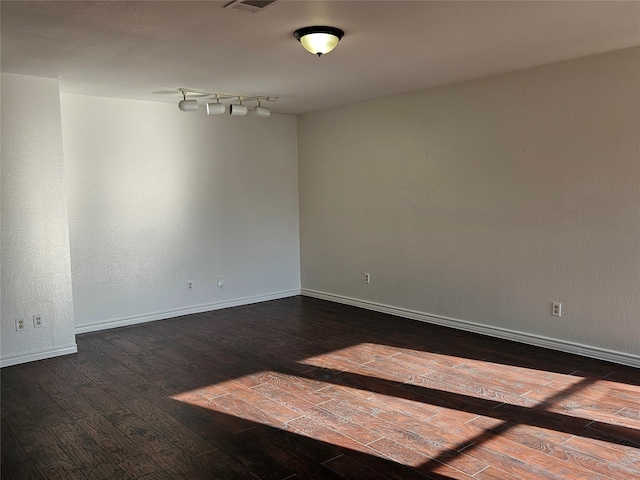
pixel 237 108
pixel 215 108
pixel 260 111
pixel 188 105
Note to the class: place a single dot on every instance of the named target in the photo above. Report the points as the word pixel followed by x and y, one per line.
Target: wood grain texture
pixel 301 388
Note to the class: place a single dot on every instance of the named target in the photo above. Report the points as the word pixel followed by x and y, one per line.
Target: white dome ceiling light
pixel 319 40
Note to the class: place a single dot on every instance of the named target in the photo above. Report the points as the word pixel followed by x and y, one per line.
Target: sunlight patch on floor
pixel 420 409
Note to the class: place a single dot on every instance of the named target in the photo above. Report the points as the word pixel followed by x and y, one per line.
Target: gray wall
pixel 479 204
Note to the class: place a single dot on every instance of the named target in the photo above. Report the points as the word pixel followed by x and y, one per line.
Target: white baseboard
pixel 526 338
pixel 162 315
pixel 38 355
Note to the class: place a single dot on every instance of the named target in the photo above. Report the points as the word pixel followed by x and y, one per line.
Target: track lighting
pixel 187 105
pixel 319 40
pixel 217 108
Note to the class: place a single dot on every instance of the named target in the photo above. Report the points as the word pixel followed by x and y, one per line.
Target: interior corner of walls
pixel 33 195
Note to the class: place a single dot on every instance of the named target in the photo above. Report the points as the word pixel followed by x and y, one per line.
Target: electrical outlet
pixel 190 285
pixel 20 326
pixel 367 278
pixel 556 309
pixel 37 321
pixel 220 282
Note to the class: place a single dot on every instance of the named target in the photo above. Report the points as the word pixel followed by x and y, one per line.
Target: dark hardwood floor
pixel 300 388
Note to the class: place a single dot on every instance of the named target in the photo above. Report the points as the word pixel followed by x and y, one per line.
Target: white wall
pixel 158 197
pixel 484 202
pixel 34 258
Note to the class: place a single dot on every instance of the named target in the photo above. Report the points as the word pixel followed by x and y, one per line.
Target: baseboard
pixel 526 338
pixel 163 315
pixel 38 355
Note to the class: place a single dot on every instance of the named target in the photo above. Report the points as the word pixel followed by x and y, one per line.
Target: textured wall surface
pixel 158 197
pixel 486 201
pixel 36 272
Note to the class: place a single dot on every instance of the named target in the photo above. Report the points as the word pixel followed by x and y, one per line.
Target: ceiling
pixel 147 50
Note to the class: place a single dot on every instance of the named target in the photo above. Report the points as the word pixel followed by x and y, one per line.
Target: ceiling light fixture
pixel 238 109
pixel 319 40
pixel 260 111
pixel 187 105
pixel 216 108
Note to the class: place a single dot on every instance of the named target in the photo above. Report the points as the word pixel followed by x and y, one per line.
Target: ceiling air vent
pixel 251 6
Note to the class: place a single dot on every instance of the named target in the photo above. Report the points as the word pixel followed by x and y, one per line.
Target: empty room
pixel 320 240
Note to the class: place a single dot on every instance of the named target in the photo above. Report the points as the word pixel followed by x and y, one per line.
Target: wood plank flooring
pixel 301 388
